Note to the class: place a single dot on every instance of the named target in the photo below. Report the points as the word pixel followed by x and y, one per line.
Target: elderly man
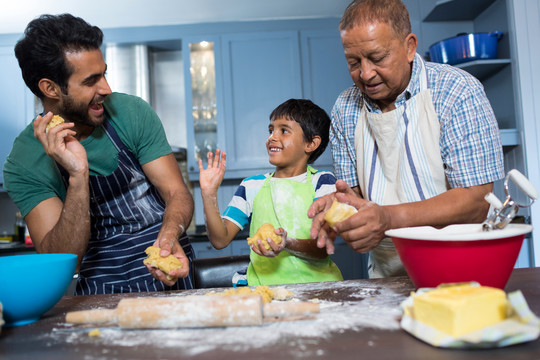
pixel 414 143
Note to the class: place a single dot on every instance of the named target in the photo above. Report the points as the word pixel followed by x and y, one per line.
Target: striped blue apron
pixel 126 213
pixel 399 161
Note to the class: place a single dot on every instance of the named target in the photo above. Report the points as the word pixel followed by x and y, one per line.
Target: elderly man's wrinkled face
pixel 379 62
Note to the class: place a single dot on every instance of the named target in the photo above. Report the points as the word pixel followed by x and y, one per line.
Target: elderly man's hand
pixel 319 229
pixel 364 230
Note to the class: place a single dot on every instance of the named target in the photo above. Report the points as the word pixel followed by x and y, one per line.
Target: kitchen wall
pixel 126 13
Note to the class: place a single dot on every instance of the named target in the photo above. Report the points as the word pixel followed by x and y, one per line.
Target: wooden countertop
pixel 358 319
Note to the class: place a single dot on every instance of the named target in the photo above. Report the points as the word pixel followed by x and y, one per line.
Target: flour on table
pixel 361 308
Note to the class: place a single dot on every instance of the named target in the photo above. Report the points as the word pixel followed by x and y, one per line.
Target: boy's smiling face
pixel 287 149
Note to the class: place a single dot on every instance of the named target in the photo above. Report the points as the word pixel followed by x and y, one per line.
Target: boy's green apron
pixel 284 203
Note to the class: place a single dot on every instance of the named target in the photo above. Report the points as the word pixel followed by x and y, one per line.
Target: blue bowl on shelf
pixel 466 47
pixel 32 284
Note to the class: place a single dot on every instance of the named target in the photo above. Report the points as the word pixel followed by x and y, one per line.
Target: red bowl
pixel 459 253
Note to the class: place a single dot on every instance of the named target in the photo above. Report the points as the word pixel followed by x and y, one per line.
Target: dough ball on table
pixel 339 212
pixel 263 233
pixel 56 120
pixel 280 293
pixel 165 264
pixel 266 293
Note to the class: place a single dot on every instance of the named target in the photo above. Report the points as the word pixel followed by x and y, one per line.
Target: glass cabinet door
pixel 202 70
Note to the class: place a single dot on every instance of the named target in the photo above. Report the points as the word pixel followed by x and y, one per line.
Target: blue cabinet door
pixel 16 103
pixel 325 74
pixel 260 70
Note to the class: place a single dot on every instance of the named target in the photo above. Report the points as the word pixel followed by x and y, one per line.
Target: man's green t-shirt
pixel 31 176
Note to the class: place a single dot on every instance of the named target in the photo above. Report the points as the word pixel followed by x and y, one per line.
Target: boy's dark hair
pixel 313 120
pixel 41 52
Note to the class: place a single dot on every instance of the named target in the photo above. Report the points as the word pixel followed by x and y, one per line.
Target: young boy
pixel 298 135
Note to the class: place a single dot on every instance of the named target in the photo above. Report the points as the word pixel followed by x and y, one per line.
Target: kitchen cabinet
pixel 204 103
pixel 325 75
pixel 205 250
pixel 17 102
pixel 497 76
pixel 352 265
pixel 260 71
pixel 457 10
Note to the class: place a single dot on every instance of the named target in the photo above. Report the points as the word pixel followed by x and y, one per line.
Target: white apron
pixel 399 161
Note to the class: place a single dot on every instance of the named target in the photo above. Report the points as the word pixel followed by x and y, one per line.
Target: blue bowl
pixel 466 47
pixel 30 285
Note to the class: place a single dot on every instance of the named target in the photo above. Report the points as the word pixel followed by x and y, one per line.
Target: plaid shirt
pixel 470 142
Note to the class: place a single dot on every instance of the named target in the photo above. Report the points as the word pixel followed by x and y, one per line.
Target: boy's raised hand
pixel 211 177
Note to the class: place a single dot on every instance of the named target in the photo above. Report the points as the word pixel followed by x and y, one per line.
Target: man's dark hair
pixel 313 120
pixel 42 51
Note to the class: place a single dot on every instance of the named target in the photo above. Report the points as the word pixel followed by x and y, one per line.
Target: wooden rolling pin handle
pixel 98 316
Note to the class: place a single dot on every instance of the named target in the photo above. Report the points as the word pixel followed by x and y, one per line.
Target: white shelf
pixel 510 137
pixel 482 69
pixel 457 10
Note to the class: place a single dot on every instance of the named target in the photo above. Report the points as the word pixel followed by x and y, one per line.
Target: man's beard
pixel 77 112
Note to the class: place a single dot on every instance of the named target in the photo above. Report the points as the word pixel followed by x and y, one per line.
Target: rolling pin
pixel 191 311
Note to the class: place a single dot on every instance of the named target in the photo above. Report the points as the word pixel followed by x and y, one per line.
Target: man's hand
pixel 60 144
pixel 170 246
pixel 364 230
pixel 319 229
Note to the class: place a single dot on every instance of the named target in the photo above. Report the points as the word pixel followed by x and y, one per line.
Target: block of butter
pixel 461 309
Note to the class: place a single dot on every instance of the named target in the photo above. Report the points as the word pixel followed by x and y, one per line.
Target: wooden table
pixel 358 319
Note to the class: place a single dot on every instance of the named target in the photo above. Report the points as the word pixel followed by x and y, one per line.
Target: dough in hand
pixel 263 233
pixel 339 212
pixel 165 264
pixel 56 120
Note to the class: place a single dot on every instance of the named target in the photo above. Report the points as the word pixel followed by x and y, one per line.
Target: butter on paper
pixel 521 326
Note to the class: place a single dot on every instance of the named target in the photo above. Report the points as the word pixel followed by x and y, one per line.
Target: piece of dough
pixel 280 293
pixel 56 120
pixel 165 264
pixel 263 233
pixel 268 294
pixel 339 212
pixel 94 333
